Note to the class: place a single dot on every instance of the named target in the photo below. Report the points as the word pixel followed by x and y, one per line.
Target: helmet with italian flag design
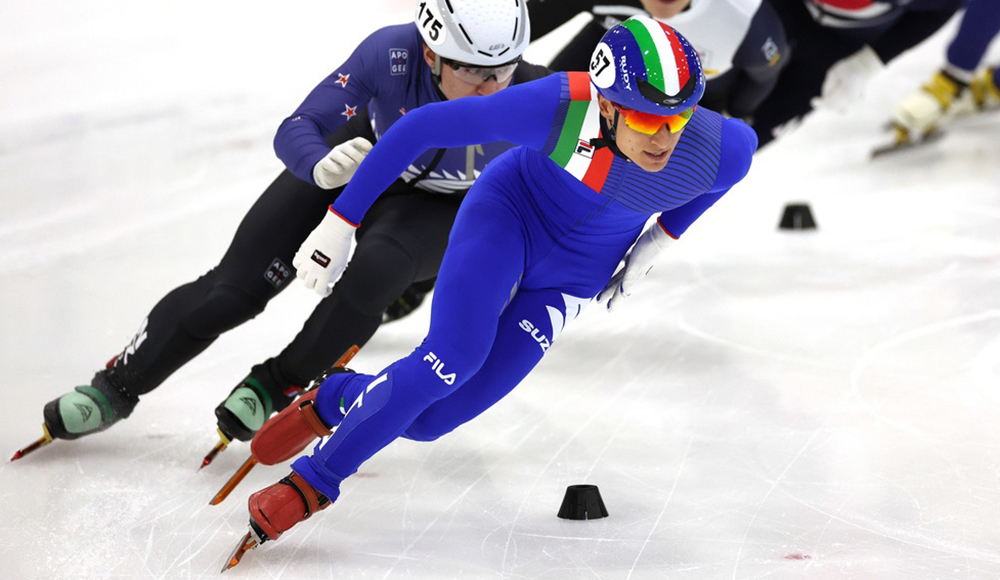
pixel 647 66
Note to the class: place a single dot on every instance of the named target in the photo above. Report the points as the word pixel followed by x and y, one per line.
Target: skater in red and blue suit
pixel 540 234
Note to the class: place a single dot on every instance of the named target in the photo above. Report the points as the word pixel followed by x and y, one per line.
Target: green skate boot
pixel 84 410
pixel 248 406
pixel 87 409
pixel 252 401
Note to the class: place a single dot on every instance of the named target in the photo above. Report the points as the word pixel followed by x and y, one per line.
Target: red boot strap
pixel 312 418
pixel 314 501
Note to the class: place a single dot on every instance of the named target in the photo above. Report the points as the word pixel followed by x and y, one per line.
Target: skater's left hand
pixel 322 258
pixel 638 263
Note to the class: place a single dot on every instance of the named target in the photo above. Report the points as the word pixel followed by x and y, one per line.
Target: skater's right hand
pixel 339 165
pixel 638 263
pixel 321 259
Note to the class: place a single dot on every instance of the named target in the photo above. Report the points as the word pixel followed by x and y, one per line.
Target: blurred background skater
pixel 837 46
pixel 400 243
pixel 741 43
pixel 956 88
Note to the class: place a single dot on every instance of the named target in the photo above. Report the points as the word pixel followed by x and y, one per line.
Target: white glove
pixel 638 263
pixel 321 259
pixel 339 165
pixel 846 81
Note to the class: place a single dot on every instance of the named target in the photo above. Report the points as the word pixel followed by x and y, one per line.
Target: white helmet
pixel 476 32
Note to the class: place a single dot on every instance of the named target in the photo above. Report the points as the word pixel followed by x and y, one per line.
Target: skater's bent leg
pixel 483 263
pixel 254 269
pixel 528 327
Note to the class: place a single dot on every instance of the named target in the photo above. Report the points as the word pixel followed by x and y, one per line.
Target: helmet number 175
pixel 429 21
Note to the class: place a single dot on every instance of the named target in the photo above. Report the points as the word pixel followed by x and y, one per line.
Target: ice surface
pixel 770 405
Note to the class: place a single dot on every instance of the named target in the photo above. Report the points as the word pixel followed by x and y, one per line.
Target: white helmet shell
pixel 477 32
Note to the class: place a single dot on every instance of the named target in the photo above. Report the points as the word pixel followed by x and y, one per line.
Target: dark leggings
pixel 401 241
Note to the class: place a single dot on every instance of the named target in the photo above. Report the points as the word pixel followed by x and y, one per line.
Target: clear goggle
pixel 649 124
pixel 475 75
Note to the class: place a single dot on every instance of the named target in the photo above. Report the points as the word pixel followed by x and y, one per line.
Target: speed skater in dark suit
pixel 741 43
pixel 837 47
pixel 541 233
pixel 396 70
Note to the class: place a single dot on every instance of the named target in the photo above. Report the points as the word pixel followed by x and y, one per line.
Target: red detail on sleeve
pixel 845 4
pixel 665 230
pixel 579 86
pixel 597 172
pixel 334 212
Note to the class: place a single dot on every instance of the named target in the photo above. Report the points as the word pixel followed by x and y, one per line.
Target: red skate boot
pixel 275 510
pixel 290 431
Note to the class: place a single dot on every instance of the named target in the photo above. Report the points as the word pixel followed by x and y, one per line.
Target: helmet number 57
pixel 599 63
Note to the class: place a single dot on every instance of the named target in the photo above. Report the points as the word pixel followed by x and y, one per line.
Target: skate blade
pixel 234 480
pixel 347 356
pixel 219 447
pixel 903 140
pixel 246 544
pixel 41 442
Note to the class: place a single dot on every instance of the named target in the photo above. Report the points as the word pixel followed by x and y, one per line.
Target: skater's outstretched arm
pixel 521 114
pixel 300 140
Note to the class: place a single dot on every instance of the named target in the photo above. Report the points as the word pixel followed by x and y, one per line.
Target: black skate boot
pixel 410 300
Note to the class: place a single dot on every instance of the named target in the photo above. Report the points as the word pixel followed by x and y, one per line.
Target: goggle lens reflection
pixel 475 75
pixel 649 124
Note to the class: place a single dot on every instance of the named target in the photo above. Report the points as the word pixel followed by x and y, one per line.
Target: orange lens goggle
pixel 649 124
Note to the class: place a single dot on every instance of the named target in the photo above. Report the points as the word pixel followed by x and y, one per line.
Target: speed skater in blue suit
pixel 542 232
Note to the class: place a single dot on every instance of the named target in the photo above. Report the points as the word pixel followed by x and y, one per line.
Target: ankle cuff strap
pixel 312 418
pixel 313 500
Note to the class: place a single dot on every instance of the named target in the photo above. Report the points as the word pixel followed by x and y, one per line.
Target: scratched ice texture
pixel 819 405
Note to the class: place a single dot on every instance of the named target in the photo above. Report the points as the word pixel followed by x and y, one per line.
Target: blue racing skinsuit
pixel 540 233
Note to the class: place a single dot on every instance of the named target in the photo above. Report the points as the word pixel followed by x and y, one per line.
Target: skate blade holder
pixel 235 480
pixel 44 440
